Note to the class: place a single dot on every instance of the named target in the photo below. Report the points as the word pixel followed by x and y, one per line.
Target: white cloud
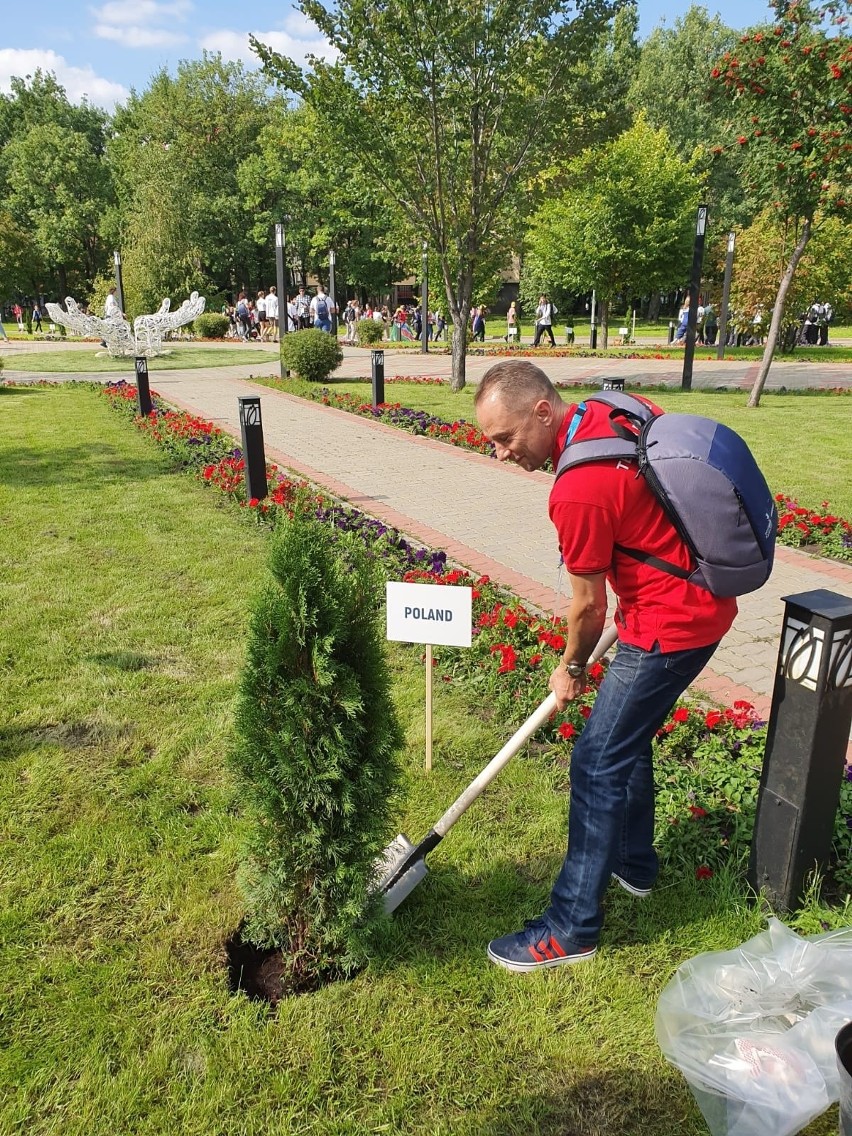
pixel 132 36
pixel 235 45
pixel 139 12
pixel 79 82
pixel 141 23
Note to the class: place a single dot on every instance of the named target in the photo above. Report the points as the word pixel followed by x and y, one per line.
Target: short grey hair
pixel 518 384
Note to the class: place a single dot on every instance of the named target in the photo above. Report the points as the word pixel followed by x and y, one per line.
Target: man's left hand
pixel 565 687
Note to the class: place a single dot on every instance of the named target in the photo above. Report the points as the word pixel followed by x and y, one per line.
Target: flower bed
pixel 458 433
pixel 707 760
pixel 820 528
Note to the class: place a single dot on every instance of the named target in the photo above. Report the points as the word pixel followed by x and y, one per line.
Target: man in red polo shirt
pixel 668 630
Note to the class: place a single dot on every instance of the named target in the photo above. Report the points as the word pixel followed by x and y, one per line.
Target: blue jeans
pixel 323 325
pixel 611 814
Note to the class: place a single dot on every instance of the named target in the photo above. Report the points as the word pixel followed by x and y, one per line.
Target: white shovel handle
pixel 538 717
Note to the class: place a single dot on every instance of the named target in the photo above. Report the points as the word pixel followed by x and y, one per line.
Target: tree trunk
pixel 459 349
pixel 63 283
pixel 604 324
pixel 653 307
pixel 777 312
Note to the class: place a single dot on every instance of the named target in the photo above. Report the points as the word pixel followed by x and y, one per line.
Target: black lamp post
pixel 116 259
pixel 726 295
pixel 805 746
pixel 378 361
pixel 331 293
pixel 281 281
pixel 251 429
pixel 694 286
pixel 424 302
pixel 143 390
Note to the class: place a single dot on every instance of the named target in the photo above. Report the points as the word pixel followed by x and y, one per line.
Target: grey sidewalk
pixel 488 516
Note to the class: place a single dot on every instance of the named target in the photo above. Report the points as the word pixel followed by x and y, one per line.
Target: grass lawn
pixel 97 361
pixel 122 617
pixel 581 349
pixel 800 441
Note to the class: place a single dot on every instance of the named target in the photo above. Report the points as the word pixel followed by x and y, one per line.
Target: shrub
pixel 315 753
pixel 211 325
pixel 311 354
pixel 369 331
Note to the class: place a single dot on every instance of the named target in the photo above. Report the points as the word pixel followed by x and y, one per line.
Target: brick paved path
pixel 490 517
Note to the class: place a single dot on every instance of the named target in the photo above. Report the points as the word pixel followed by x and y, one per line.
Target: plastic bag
pixel 753 1029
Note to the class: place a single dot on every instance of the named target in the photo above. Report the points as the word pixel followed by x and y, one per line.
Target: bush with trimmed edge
pixel 311 354
pixel 211 325
pixel 369 332
pixel 315 756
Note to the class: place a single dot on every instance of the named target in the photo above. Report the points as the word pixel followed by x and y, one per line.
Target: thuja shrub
pixel 369 331
pixel 312 354
pixel 315 756
pixel 211 325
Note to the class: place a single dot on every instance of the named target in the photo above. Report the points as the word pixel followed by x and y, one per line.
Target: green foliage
pixel 211 325
pixel 783 102
pixel 58 187
pixel 175 151
pixel 671 88
pixel 763 251
pixel 311 354
pixel 463 186
pixel 623 225
pixel 369 331
pixel 317 737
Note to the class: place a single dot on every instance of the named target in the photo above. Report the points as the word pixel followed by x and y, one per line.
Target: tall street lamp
pixel 116 259
pixel 694 286
pixel 726 295
pixel 424 302
pixel 331 260
pixel 281 281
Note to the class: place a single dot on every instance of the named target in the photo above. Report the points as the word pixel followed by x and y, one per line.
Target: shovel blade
pixel 393 893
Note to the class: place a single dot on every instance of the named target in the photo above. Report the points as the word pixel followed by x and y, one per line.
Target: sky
pixel 100 51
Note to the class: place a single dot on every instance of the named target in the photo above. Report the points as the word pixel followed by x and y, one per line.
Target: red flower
pixel 585 711
pixel 681 714
pixel 703 873
pixel 535 660
pixel 712 719
pixel 596 671
pixel 740 704
pixel 697 811
pixel 742 140
pixel 566 730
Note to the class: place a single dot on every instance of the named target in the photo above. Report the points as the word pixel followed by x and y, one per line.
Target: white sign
pixel 429 613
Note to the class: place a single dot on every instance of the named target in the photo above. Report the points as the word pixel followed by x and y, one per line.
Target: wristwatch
pixel 575 670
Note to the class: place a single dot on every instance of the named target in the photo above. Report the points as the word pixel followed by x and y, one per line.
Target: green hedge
pixel 211 325
pixel 311 354
pixel 369 331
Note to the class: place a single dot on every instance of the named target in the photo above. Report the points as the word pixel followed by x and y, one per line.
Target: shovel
pixel 402 865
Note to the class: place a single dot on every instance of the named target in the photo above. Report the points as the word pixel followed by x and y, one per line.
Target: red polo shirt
pixel 596 506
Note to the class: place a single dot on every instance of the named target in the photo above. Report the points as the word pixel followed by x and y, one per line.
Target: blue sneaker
pixel 636 892
pixel 535 948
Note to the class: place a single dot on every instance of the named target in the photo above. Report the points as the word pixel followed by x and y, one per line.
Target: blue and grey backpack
pixel 706 479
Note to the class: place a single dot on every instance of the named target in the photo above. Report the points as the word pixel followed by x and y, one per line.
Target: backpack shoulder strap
pixel 621 447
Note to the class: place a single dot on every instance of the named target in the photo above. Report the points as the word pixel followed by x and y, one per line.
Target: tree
pixel 449 109
pixel 623 226
pixel 315 757
pixel 176 150
pixel 786 92
pixel 295 173
pixel 54 187
pixel 823 273
pixel 58 189
pixel 672 87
